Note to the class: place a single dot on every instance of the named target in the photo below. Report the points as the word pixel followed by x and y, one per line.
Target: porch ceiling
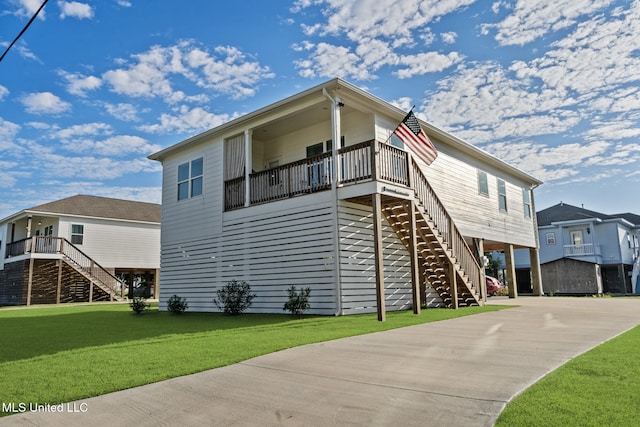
pixel 298 120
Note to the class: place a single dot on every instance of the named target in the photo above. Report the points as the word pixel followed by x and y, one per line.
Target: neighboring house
pixel 82 248
pixel 270 198
pixel 587 252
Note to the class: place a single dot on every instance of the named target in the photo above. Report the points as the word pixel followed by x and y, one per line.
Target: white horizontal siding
pixel 196 217
pixel 269 248
pixel 117 244
pixel 357 263
pixel 454 177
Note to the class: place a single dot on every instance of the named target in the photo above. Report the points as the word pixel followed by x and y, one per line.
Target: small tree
pixel 298 303
pixel 139 305
pixel 177 305
pixel 234 297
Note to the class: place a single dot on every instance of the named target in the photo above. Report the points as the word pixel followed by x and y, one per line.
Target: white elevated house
pixel 81 248
pixel 270 198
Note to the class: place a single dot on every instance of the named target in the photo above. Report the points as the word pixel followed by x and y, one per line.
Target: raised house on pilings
pixel 80 249
pixel 316 191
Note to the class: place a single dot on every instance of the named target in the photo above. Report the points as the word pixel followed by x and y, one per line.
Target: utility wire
pixel 23 30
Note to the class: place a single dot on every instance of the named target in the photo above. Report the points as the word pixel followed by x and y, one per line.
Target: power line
pixel 23 30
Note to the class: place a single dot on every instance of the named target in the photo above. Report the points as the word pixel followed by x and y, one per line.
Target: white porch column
pixel 29 221
pixel 248 143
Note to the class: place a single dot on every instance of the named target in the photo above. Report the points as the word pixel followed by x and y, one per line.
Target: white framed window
pixel 551 238
pixel 77 234
pixel 526 202
pixel 190 179
pixel 483 183
pixel 502 195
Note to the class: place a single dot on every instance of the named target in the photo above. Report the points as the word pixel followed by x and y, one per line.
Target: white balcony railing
pixel 586 249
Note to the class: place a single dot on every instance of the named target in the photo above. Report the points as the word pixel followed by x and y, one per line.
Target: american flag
pixel 410 132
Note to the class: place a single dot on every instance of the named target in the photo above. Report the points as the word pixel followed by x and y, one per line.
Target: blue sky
pixel 92 88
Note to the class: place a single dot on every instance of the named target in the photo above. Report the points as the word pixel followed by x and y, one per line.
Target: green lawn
pixel 598 388
pixel 60 354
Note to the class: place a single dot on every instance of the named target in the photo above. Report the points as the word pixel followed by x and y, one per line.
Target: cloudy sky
pixel 92 88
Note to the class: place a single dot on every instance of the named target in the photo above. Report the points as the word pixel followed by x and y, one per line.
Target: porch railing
pixel 586 249
pixel 357 163
pixel 78 259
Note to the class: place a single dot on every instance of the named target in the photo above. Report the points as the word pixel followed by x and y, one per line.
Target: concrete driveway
pixel 458 372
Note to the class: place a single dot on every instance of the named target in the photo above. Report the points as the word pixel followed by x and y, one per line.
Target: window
pixel 190 179
pixel 483 183
pixel 77 234
pixel 551 238
pixel 502 195
pixel 526 201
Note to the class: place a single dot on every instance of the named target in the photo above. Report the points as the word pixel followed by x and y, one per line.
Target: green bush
pixel 234 297
pixel 298 303
pixel 139 305
pixel 177 305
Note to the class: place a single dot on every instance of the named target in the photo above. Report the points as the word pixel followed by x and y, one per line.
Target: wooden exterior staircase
pixel 74 257
pixel 445 261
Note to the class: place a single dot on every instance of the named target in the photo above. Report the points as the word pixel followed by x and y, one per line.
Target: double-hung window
pixel 190 179
pixel 483 183
pixel 526 201
pixel 77 234
pixel 502 195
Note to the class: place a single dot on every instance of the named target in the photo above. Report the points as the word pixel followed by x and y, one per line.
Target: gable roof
pixel 565 212
pixel 100 207
pixel 320 92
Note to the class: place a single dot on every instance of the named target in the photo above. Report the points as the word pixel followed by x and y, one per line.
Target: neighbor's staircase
pixel 91 270
pixel 76 259
pixel 446 262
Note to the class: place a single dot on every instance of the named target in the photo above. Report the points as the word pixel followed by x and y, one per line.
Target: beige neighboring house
pixel 81 248
pixel 316 191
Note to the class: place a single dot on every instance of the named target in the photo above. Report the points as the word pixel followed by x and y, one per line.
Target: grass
pixel 61 354
pixel 599 388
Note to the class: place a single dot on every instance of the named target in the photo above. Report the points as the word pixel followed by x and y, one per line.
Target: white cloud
pixel 449 37
pixel 3 92
pixel 78 84
pixel 377 33
pixel 122 111
pixel 27 8
pixel 428 62
pixel 75 9
pixel 8 132
pixel 115 146
pixel 44 103
pixel 550 163
pixel 533 19
pixel 484 103
pixel 226 71
pixel 124 3
pixel 186 120
pixel 88 129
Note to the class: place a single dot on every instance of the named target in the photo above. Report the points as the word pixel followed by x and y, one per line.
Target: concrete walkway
pixel 458 372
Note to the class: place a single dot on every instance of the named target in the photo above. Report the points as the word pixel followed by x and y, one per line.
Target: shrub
pixel 298 303
pixel 139 305
pixel 234 297
pixel 177 305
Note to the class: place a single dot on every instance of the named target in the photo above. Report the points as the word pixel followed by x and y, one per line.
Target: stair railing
pixel 445 225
